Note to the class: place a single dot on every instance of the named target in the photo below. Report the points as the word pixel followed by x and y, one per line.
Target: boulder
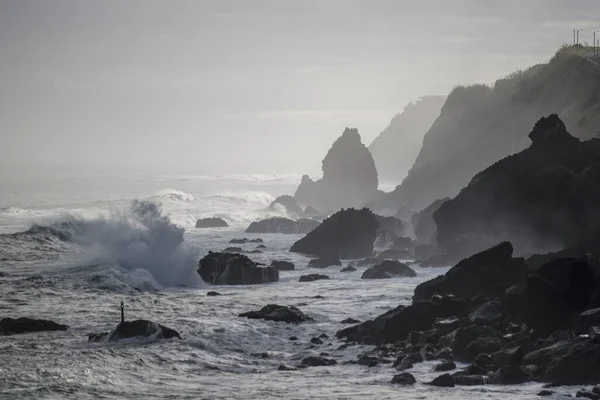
pixel 289 204
pixel 510 375
pixel 487 314
pixel 445 380
pixel 317 362
pixel 349 268
pixel 213 293
pixel 234 269
pixel 346 234
pixel 274 312
pixel 324 262
pixel 15 326
pixel 350 321
pixel 349 176
pixel 316 340
pixel 232 249
pixel 312 277
pixel 404 379
pixel 282 225
pixel 283 265
pixel 508 356
pixel 211 223
pixel 447 325
pixel 445 366
pixel 139 328
pixel 388 269
pixel 468 342
pixel 575 363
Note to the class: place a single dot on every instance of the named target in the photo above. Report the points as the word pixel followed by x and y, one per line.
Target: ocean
pixel 104 236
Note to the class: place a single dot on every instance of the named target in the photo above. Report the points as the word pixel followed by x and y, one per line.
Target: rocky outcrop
pixel 346 234
pixel 234 269
pixel 479 125
pixel 283 265
pixel 289 205
pixel 388 269
pixel 15 326
pixel 424 225
pixel 282 225
pixel 137 328
pixel 397 147
pixel 349 177
pixel 312 277
pixel 274 312
pixel 211 223
pixel 324 262
pixel 541 199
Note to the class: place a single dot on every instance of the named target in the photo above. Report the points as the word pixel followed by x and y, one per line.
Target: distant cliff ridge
pixel 349 177
pixel 396 148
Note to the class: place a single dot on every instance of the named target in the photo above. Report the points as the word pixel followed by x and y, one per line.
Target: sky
pixel 246 86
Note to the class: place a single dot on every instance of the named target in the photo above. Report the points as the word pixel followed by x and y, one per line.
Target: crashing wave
pixel 174 195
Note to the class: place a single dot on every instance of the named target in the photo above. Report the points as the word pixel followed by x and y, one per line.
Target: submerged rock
pixel 274 312
pixel 234 269
pixel 211 223
pixel 283 265
pixel 317 362
pixel 324 262
pixel 245 240
pixel 213 293
pixel 445 380
pixel 388 269
pixel 349 268
pixel 404 379
pixel 282 225
pixel 312 277
pixel 15 326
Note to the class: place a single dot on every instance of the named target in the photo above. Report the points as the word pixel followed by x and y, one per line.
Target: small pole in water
pixel 122 312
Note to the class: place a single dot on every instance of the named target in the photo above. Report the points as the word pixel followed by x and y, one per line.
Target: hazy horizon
pixel 254 87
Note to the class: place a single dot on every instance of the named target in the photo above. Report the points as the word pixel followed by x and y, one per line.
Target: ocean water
pixel 131 238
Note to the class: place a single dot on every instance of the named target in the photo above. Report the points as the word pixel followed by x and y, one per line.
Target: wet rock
pixel 510 375
pixel 594 334
pixel 274 312
pixel 508 356
pixel 350 321
pixel 261 246
pixel 211 223
pixel 324 262
pixel 575 362
pixel 232 249
pixel 447 325
pixel 142 328
pixel 317 362
pixel 346 234
pixel 283 225
pixel 286 368
pixel 245 240
pixel 349 268
pixel 445 353
pixel 545 392
pixel 283 265
pixel 403 363
pixel 253 252
pixel 487 314
pixel 469 380
pixel 293 338
pixel 312 277
pixel 587 395
pixel 468 342
pixel 445 366
pixel 445 380
pixel 368 361
pixel 588 319
pixel 234 269
pixel 213 293
pixel 388 269
pixel 323 336
pixel 98 337
pixel 318 297
pixel 15 326
pixel 560 336
pixel 404 379
pixel 316 340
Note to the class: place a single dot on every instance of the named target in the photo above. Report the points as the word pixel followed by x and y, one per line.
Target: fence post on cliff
pixel 122 312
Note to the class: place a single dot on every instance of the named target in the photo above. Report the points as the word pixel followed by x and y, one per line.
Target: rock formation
pixel 274 312
pixel 346 234
pixel 282 225
pixel 14 326
pixel 137 328
pixel 211 223
pixel 234 269
pixel 349 177
pixel 388 269
pixel 289 205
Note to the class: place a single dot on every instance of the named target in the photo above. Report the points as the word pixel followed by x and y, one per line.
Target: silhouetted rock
pixel 232 249
pixel 283 265
pixel 261 246
pixel 349 268
pixel 15 326
pixel 445 380
pixel 317 362
pixel 445 366
pixel 346 234
pixel 234 269
pixel 282 225
pixel 274 312
pixel 245 240
pixel 541 199
pixel 575 362
pixel 424 225
pixel 289 204
pixel 349 177
pixel 138 328
pixel 350 321
pixel 404 379
pixel 316 340
pixel 213 293
pixel 211 223
pixel 311 212
pixel 324 262
pixel 312 277
pixel 388 269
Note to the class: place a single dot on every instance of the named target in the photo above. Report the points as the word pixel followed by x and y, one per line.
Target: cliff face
pixel 397 147
pixel 542 199
pixel 349 177
pixel 480 125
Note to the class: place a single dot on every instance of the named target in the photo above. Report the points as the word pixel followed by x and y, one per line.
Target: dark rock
pixel 350 321
pixel 368 361
pixel 261 246
pixel 143 328
pixel 445 380
pixel 234 269
pixel 286 368
pixel 587 395
pixel 282 225
pixel 447 325
pixel 392 224
pixel 403 243
pixel 487 314
pixel 346 234
pixel 596 389
pixel 438 260
pixel 245 240
pixel 388 269
pixel 470 341
pixel 316 340
pixel 98 337
pixel 293 338
pixel 508 356
pixel 318 297
pixel 445 353
pixel 289 204
pixel 469 380
pixel 579 365
pixel 15 326
pixel 274 312
pixel 403 363
pixel 545 393
pixel 349 176
pixel 211 223
pixel 424 226
pixel 445 366
pixel 559 336
pixel 253 251
pixel 594 334
pixel 588 319
pixel 323 336
pixel 232 250
pixel 213 293
pixel 312 277
pixel 510 375
pixel 491 272
pixel 283 265
pixel 317 362
pixel 324 262
pixel 349 268
pixel 404 379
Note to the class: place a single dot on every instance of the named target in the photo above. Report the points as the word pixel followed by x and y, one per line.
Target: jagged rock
pixel 445 366
pixel 584 394
pixel 447 325
pixel 213 293
pixel 137 328
pixel 470 341
pixel 211 223
pixel 487 314
pixel 490 272
pixel 15 326
pixel 445 380
pixel 350 321
pixel 346 234
pixel 349 176
pixel 277 313
pixel 283 265
pixel 282 225
pixel 289 204
pixel 234 269
pixel 312 277
pixel 541 199
pixel 317 362
pixel 324 262
pixel 391 224
pixel 349 268
pixel 404 379
pixel 388 269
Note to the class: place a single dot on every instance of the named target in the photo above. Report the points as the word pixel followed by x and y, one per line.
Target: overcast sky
pixel 246 86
